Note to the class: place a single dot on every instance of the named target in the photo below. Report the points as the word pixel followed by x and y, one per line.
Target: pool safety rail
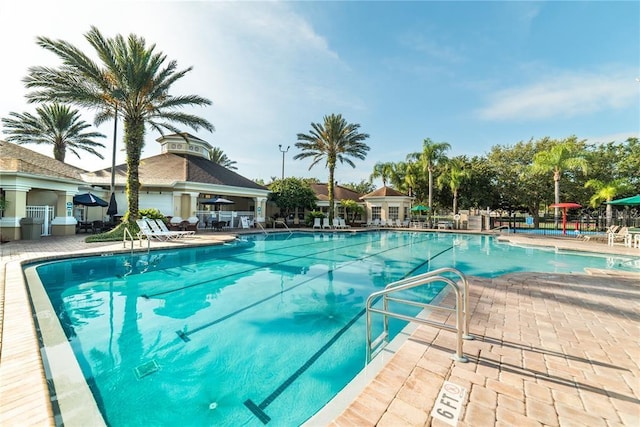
pixel 461 289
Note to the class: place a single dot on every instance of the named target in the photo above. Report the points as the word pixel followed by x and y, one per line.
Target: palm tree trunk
pixel 332 167
pixel 134 141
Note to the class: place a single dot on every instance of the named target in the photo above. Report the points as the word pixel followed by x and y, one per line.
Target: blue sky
pixel 473 74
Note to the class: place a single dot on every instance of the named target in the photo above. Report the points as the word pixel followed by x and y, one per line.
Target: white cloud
pixel 563 95
pixel 260 63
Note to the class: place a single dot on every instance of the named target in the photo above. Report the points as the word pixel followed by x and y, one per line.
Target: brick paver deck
pixel 550 349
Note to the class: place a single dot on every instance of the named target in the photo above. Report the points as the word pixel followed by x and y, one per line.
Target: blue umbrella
pixel 88 199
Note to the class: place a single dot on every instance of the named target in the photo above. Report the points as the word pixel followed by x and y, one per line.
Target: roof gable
pixel 15 158
pixel 384 192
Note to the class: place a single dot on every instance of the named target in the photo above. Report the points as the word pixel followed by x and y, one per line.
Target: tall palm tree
pixel 561 157
pixel 131 79
pixel 453 176
pixel 54 124
pixel 218 156
pixel 606 192
pixel 432 153
pixel 335 140
pixel 382 170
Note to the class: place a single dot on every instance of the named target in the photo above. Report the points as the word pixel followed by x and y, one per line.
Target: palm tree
pixel 54 124
pixel 432 153
pixel 453 176
pixel 606 192
pixel 384 170
pixel 131 79
pixel 218 156
pixel 563 156
pixel 334 140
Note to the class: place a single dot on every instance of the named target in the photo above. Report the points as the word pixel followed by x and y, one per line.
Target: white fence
pixel 43 212
pixel 231 217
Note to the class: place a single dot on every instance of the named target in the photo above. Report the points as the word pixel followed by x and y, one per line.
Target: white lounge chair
pixel 326 223
pixel 343 223
pixel 148 233
pixel 336 223
pixel 317 223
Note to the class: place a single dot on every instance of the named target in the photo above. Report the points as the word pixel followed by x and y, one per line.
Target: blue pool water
pixel 267 329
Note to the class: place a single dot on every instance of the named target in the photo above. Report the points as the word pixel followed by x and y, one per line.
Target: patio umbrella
pixel 113 205
pixel 217 201
pixel 565 206
pixel 420 208
pixel 88 199
pixel 627 201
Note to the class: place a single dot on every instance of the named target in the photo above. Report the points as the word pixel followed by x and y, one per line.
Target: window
pixel 375 212
pixel 393 212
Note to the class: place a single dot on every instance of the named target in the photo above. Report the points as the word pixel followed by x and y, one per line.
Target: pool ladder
pixel 461 309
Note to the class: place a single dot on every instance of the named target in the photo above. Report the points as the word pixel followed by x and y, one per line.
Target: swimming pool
pixel 267 329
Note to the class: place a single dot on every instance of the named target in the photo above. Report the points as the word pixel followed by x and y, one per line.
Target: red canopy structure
pixel 565 206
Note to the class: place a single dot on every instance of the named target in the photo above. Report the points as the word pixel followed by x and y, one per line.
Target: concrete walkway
pixel 550 349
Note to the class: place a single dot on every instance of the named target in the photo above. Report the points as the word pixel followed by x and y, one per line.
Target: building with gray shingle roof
pixel 176 182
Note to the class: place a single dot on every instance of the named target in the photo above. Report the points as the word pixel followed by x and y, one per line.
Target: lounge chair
pixel 161 227
pixel 326 223
pixel 601 236
pixel 148 233
pixel 175 223
pixel 622 235
pixel 343 223
pixel 317 223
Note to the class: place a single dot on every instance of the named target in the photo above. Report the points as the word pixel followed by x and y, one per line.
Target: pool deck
pixel 550 349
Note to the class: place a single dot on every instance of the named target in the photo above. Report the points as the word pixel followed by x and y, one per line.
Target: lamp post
pixel 283 152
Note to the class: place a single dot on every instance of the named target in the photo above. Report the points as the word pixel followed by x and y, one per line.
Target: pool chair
pixel 147 232
pixel 317 223
pixel 158 225
pixel 175 223
pixel 326 223
pixel 343 223
pixel 622 236
pixel 336 223
pixel 601 236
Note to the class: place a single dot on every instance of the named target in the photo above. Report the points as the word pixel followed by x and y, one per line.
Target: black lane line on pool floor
pixel 148 296
pixel 258 410
pixel 185 335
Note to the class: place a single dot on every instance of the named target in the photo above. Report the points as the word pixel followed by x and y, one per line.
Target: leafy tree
pixel 218 156
pixel 363 187
pixel 479 190
pixel 292 193
pixel 335 141
pixel 351 206
pixel 383 170
pixel 517 187
pixel 131 79
pixel 453 176
pixel 606 192
pixel 432 153
pixel 561 157
pixel 54 124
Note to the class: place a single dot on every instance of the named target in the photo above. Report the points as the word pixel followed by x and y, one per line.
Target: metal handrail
pixel 465 287
pixel 461 310
pixel 124 240
pixel 261 227
pixel 502 227
pixel 283 223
